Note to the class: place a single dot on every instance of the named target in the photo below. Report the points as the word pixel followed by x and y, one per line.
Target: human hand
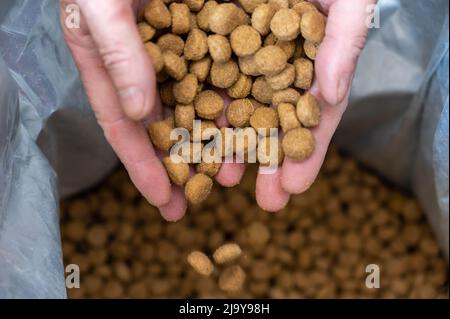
pixel 335 67
pixel 119 80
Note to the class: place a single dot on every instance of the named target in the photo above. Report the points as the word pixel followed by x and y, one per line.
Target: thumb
pixel 344 40
pixel 112 26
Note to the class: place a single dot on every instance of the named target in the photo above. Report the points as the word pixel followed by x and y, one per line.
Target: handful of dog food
pixel 260 54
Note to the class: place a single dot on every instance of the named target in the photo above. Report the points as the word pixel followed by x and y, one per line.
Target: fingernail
pixel 133 101
pixel 343 87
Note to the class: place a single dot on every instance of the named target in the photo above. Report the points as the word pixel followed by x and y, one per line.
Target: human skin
pixel 120 83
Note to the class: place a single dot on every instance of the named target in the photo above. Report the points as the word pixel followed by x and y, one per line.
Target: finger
pixel 112 26
pixel 344 40
pixel 270 196
pixel 230 174
pixel 297 177
pixel 175 209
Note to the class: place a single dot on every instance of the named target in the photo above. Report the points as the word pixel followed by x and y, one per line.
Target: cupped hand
pixel 119 80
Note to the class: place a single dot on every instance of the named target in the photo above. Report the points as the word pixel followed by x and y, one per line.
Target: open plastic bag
pixel 397 123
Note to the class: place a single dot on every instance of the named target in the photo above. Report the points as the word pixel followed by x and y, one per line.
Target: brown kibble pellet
pixel 304 73
pixel 178 172
pixel 282 80
pixel 290 96
pixel 288 47
pixel 239 112
pixel 232 279
pixel 157 14
pixel 248 65
pixel 160 133
pixel 264 118
pixel 308 110
pixel 171 42
pixel 201 68
pixel 245 40
pixel 227 253
pixel 194 5
pixel 146 31
pixel 303 7
pixel 269 157
pixel 285 24
pixel 261 17
pixel 166 93
pixel 224 18
pixel 196 45
pixel 155 56
pixel 310 49
pixel 96 236
pixel 262 91
pixel 298 144
pixel 210 169
pixel 241 88
pixel 204 13
pixel 250 5
pixel 201 263
pixel 208 104
pixel 185 90
pixel 198 188
pixel 288 117
pixel 224 75
pixel 270 60
pixel 219 48
pixel 181 18
pixel 184 116
pixel 279 4
pixel 313 26
pixel 174 65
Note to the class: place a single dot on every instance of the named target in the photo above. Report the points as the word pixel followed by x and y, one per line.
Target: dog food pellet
pixel 208 105
pixel 288 117
pixel 194 5
pixel 181 18
pixel 262 91
pixel 157 14
pixel 279 4
pixel 261 17
pixel 290 96
pixel 155 56
pixel 232 279
pixel 303 7
pixel 308 110
pixel 310 49
pixel 270 60
pixel 219 48
pixel 313 26
pixel 241 88
pixel 245 40
pixel 146 31
pixel 198 188
pixel 196 45
pixel 250 5
pixel 288 47
pixel 224 18
pixel 201 68
pixel 160 133
pixel 204 14
pixel 224 75
pixel 178 172
pixel 201 263
pixel 174 65
pixel 166 94
pixel 248 65
pixel 282 80
pixel 210 169
pixel 227 253
pixel 264 118
pixel 184 116
pixel 285 24
pixel 171 42
pixel 304 70
pixel 239 112
pixel 298 144
pixel 185 90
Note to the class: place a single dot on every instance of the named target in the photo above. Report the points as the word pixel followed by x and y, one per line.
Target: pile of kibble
pixel 317 247
pixel 259 53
